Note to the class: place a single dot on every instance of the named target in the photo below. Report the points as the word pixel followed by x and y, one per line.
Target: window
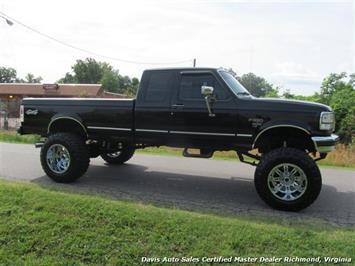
pixel 233 84
pixel 190 87
pixel 158 89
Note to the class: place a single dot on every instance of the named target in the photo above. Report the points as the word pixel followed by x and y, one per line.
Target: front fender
pixel 281 124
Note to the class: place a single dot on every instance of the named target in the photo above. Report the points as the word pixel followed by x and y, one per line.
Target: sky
pixel 294 44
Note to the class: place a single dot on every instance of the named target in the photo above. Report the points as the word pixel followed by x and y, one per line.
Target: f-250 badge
pixel 32 112
pixel 256 122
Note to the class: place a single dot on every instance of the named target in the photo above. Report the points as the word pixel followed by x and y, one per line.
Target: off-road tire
pixel 79 157
pixel 291 156
pixel 125 154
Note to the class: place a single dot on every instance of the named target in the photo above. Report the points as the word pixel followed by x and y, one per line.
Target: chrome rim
pixel 58 158
pixel 287 182
pixel 114 154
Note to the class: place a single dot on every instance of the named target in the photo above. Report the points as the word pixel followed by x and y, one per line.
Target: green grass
pixel 341 158
pixel 43 227
pixel 13 137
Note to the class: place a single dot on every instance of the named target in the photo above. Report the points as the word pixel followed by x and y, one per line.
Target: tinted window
pixel 158 87
pixel 233 83
pixel 190 86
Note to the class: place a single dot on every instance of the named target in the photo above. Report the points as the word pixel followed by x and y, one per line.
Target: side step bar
pixel 203 153
pixel 39 144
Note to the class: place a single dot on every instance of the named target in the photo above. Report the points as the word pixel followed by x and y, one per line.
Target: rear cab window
pixel 157 88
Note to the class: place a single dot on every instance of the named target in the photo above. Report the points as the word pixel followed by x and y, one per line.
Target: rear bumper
pixel 325 144
pixel 20 130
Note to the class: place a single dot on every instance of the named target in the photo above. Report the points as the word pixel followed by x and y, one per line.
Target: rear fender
pixel 67 117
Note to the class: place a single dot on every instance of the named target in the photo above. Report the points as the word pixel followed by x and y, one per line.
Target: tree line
pixel 9 75
pixel 93 72
pixel 337 89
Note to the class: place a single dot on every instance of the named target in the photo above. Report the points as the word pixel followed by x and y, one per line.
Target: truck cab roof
pixel 184 69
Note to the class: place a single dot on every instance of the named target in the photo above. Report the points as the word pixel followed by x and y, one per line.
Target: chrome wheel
pixel 58 158
pixel 114 154
pixel 287 182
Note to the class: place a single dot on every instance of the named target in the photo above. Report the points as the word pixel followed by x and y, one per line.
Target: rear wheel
pixel 119 157
pixel 64 157
pixel 288 179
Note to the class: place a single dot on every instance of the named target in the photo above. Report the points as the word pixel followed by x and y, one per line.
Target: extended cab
pixel 204 109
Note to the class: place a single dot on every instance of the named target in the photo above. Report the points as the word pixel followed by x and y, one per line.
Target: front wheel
pixel 119 157
pixel 288 179
pixel 64 157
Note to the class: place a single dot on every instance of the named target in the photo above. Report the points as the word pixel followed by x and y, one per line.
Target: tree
pixel 93 72
pixel 7 75
pixel 343 104
pixel 330 84
pixel 68 78
pixel 111 81
pixel 273 93
pixel 30 78
pixel 288 95
pixel 339 93
pixel 256 85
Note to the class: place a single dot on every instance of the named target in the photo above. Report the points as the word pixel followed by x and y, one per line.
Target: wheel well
pixel 67 125
pixel 284 136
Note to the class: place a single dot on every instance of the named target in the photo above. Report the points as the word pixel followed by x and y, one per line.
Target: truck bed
pixel 96 114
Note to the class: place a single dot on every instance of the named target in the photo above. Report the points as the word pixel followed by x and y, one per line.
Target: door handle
pixel 177 106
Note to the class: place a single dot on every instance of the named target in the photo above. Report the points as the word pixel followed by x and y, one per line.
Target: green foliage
pixel 342 101
pixel 30 78
pixel 273 93
pixel 338 91
pixel 12 137
pixel 43 227
pixel 330 84
pixel 7 75
pixel 288 95
pixel 91 71
pixel 111 80
pixel 256 85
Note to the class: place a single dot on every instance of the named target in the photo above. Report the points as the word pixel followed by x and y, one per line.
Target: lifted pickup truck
pixel 204 109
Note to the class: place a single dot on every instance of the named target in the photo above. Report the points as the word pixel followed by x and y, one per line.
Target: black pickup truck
pixel 202 110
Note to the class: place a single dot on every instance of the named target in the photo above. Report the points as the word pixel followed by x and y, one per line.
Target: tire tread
pixel 79 154
pixel 301 159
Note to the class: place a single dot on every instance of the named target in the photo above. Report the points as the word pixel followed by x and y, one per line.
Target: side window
pixel 158 89
pixel 190 87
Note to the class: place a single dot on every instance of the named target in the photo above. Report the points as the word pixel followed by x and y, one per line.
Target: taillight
pixel 22 113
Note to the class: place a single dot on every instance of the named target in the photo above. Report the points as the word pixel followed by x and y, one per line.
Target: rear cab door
pixel 152 110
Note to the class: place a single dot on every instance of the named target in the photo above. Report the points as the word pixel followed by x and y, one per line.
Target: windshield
pixel 233 84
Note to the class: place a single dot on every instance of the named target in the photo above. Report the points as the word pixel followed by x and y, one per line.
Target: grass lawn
pixel 42 227
pixel 341 157
pixel 13 137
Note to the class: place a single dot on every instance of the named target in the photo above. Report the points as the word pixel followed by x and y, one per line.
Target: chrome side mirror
pixel 207 92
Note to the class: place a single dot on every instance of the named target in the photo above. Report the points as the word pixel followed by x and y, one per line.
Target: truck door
pixel 191 123
pixel 152 109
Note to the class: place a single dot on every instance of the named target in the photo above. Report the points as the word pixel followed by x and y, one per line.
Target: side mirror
pixel 207 90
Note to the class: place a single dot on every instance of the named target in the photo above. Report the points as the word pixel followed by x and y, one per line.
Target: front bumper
pixel 325 144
